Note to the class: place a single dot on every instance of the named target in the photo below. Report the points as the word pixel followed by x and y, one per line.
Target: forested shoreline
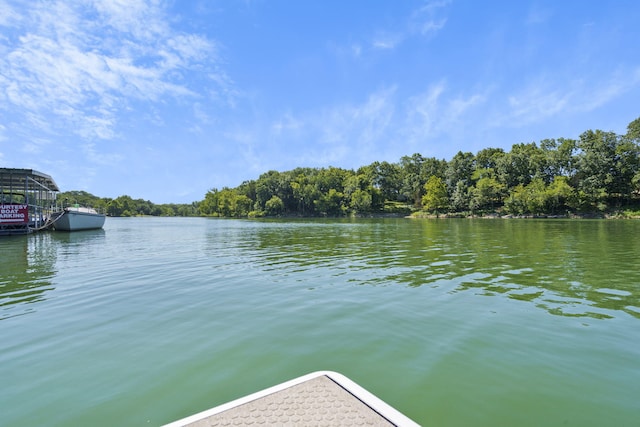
pixel 596 174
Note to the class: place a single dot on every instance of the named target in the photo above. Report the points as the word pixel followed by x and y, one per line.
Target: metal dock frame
pixel 31 194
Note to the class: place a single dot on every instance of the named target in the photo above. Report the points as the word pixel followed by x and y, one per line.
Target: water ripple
pixel 152 318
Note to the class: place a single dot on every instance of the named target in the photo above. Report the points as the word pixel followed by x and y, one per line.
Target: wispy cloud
pixel 286 124
pixel 387 40
pixel 333 135
pixel 100 158
pixel 429 18
pixel 382 126
pixel 536 103
pixel 352 130
pixel 425 21
pixel 538 15
pixel 86 62
pixel 601 93
pixel 545 97
pixel 436 112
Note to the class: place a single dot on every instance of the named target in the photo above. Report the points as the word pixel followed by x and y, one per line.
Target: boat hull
pixel 74 221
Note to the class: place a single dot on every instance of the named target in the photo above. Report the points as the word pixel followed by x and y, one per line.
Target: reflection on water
pixel 28 267
pixel 156 318
pixel 568 268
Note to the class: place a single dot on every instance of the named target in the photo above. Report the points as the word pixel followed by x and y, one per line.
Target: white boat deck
pixel 319 399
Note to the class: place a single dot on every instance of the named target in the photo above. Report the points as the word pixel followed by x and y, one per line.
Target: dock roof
pixel 10 177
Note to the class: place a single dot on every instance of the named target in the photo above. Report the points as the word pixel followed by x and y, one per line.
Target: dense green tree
pixel 387 178
pixel 489 158
pixel 559 157
pixel 226 202
pixel 331 203
pixel 536 196
pixel 519 166
pixel 114 208
pixel 461 197
pixel 247 188
pixel 458 173
pixel 274 206
pixel 332 178
pixel 435 197
pixel 559 192
pixel 516 202
pixel 627 166
pixel 487 193
pixel 358 190
pixel 596 163
pixel 412 182
pixel 633 130
pixel 360 201
pixel 274 183
pixel 304 193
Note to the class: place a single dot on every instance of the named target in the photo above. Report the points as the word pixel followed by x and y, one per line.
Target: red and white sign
pixel 14 214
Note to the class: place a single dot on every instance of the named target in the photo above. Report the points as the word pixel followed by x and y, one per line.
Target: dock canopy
pixel 27 199
pixel 17 179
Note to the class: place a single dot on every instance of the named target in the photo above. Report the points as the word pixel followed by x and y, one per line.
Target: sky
pixel 164 100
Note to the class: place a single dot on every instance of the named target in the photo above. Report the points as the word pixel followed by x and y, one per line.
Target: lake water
pixel 453 322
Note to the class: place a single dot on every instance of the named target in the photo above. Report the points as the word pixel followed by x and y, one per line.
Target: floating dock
pixel 27 200
pixel 321 398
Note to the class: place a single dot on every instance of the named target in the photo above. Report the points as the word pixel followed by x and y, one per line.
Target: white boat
pixel 78 218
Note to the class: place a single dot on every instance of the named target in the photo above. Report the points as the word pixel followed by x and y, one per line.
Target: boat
pixel 76 218
pixel 318 398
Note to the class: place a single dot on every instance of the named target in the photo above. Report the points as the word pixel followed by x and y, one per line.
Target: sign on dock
pixel 14 214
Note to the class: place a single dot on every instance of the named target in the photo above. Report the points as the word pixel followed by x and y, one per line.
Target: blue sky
pixel 164 100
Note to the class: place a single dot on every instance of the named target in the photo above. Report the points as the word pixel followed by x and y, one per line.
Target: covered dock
pixel 27 200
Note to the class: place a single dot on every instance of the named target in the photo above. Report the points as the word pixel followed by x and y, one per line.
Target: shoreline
pixel 591 215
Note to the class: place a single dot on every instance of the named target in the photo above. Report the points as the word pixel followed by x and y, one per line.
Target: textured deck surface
pixel 316 402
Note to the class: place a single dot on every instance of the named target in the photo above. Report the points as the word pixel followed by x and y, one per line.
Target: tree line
pixel 125 205
pixel 598 172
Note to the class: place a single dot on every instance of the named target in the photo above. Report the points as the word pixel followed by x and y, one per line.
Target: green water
pixel 453 322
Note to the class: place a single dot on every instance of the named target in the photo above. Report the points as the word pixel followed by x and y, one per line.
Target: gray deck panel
pixel 316 402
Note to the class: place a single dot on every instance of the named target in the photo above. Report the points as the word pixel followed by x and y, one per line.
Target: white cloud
pixel 424 21
pixel 430 18
pixel 287 123
pixel 546 97
pixel 620 82
pixel 422 111
pixel 331 136
pixel 143 19
pixel 8 15
pixel 85 62
pixel 35 146
pixel 387 40
pixel 248 144
pixel 353 130
pixel 382 126
pixel 436 115
pixel 100 158
pixel 536 103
